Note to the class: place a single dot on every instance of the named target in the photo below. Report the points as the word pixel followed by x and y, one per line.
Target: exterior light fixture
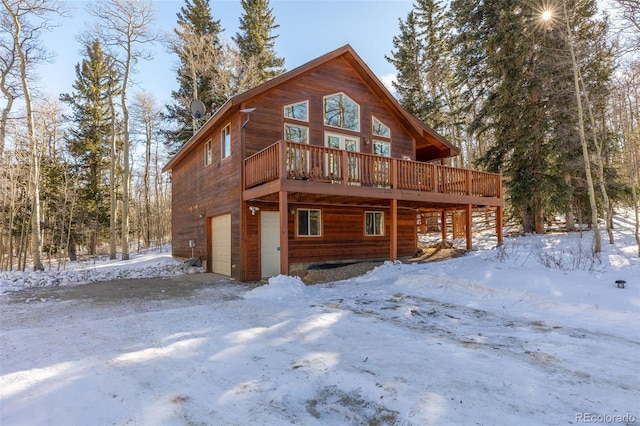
pixel 247 111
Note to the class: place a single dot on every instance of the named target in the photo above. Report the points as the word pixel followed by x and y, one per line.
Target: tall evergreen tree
pixel 88 139
pixel 256 43
pixel 197 44
pixel 524 81
pixel 425 66
pixel 408 61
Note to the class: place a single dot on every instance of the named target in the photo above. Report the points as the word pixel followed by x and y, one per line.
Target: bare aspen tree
pixel 599 162
pixel 9 84
pixel 629 112
pixel 114 90
pixel 597 239
pixel 147 116
pixel 125 27
pixel 28 19
pixel 202 58
pixel 113 199
pixel 9 80
pixel 48 115
pixel 631 12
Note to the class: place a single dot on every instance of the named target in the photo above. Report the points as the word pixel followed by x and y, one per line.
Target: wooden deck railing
pixel 291 160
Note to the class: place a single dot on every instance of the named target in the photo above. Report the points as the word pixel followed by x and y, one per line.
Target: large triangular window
pixel 342 112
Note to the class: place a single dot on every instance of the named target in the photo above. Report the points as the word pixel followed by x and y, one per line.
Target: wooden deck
pixel 295 167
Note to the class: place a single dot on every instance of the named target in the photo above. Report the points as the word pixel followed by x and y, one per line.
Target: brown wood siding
pixel 267 121
pixel 251 255
pixel 343 236
pixel 210 190
pixel 217 188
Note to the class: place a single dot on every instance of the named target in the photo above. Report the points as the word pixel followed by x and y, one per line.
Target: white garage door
pixel 221 244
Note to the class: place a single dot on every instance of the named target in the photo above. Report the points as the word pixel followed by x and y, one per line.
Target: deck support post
pixel 393 238
pixel 469 223
pixel 284 233
pixel 499 224
pixel 443 225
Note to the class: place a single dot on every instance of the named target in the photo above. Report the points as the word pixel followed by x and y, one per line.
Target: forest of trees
pixel 528 97
pixel 547 95
pixel 81 174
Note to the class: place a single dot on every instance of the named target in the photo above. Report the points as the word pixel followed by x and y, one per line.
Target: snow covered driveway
pixel 443 344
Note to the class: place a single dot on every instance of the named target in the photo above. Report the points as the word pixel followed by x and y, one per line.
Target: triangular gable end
pixel 429 144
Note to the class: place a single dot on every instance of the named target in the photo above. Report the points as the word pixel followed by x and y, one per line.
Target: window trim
pixel 298 235
pixel 207 153
pixel 324 112
pixel 222 142
pixel 284 109
pixel 375 213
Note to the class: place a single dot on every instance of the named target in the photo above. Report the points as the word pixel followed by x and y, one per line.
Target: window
pixel 381 168
pixel 297 157
pixel 309 223
pixel 347 143
pixel 380 129
pixel 374 223
pixel 382 149
pixel 296 133
pixel 225 144
pixel 299 111
pixel 207 153
pixel 341 111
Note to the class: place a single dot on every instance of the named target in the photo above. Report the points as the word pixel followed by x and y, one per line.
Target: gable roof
pixel 429 144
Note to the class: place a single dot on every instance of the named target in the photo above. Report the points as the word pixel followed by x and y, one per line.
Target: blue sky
pixel 308 29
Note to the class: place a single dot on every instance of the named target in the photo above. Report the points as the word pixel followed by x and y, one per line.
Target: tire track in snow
pixel 535 342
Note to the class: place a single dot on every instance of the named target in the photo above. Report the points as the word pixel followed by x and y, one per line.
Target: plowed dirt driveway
pixel 118 291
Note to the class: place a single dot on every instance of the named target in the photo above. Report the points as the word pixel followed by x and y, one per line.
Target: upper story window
pixel 298 111
pixel 207 153
pixel 296 133
pixel 381 148
pixel 341 111
pixel 379 129
pixel 225 142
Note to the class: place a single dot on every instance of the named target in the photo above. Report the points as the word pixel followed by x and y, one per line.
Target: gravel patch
pixel 441 251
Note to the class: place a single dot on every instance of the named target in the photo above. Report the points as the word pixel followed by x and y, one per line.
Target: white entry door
pixel 221 244
pixel 270 243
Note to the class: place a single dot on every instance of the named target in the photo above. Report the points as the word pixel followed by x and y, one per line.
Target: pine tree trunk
pixel 527 221
pixel 570 221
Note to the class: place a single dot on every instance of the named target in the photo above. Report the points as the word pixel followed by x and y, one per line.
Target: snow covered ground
pixel 154 263
pixel 533 333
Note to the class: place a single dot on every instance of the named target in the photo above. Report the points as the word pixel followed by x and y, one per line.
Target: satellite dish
pixel 197 108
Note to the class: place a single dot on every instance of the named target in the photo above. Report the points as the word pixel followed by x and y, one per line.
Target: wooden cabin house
pixel 318 165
